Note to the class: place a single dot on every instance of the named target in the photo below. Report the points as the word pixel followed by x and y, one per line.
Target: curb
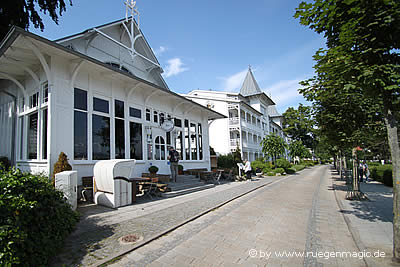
pixel 353 231
pixel 116 256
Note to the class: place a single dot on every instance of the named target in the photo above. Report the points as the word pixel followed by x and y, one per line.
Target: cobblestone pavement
pixel 96 239
pixel 296 214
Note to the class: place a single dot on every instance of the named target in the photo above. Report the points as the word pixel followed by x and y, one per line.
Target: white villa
pixel 95 95
pixel 251 115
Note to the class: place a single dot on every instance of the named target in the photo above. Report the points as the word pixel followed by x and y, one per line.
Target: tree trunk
pixel 391 126
pixel 341 166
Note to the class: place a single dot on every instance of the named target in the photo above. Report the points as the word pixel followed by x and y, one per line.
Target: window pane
pixel 159 148
pixel 155 116
pixel 119 139
pixel 136 113
pixel 193 141
pixel 200 143
pixel 136 141
pixel 178 144
pixel 187 144
pixel 32 136
pixel 80 99
pixel 169 138
pixel 119 109
pixel 45 93
pixel 80 135
pixel 100 105
pixel 44 134
pixel 101 137
pixel 148 115
pixel 178 122
pixel 21 148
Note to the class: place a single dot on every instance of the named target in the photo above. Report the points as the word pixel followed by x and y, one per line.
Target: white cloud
pixel 175 66
pixel 233 82
pixel 159 51
pixel 285 93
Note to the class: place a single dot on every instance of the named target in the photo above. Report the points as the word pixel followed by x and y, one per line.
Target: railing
pixel 234 121
pixel 235 142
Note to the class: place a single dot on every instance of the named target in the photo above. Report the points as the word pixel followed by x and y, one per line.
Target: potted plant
pixel 180 169
pixel 153 170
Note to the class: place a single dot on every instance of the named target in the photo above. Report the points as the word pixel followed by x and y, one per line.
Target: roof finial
pixel 131 7
pixel 249 67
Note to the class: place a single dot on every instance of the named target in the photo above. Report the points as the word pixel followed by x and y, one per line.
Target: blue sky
pixel 210 44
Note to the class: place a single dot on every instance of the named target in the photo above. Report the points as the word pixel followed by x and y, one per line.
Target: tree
pixel 299 124
pixel 363 42
pixel 273 146
pixel 297 149
pixel 21 13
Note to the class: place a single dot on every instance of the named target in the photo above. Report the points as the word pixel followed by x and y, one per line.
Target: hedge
pixel 279 170
pixel 290 170
pixel 298 167
pixel 271 173
pixel 382 173
pixel 34 219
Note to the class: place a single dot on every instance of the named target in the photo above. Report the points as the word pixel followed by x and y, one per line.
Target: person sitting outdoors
pixel 247 169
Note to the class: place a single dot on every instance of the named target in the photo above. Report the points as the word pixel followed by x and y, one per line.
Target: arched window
pixel 159 148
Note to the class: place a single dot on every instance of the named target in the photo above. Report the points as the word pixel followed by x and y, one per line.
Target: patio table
pixel 134 180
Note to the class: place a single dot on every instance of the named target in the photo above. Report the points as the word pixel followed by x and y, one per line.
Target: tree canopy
pixel 273 146
pixel 297 149
pixel 358 75
pixel 22 13
pixel 299 124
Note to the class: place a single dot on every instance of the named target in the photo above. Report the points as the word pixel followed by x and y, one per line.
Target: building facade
pixel 95 95
pixel 251 115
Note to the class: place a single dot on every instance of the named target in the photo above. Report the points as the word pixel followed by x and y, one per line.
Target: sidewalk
pixel 369 221
pixel 96 238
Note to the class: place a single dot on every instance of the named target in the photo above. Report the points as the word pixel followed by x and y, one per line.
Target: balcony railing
pixel 235 142
pixel 234 121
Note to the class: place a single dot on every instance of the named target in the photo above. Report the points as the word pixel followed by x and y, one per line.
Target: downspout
pixel 14 123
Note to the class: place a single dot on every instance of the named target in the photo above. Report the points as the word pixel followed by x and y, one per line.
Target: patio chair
pixel 151 190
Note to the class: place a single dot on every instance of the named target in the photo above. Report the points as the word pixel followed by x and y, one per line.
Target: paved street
pixel 297 214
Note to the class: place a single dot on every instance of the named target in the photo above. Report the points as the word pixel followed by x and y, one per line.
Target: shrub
pixel 382 173
pixel 298 167
pixel 180 167
pixel 153 169
pixel 290 170
pixel 266 169
pixel 226 161
pixel 271 173
pixel 388 177
pixel 4 161
pixel 258 164
pixel 283 163
pixel 60 166
pixel 34 219
pixel 279 170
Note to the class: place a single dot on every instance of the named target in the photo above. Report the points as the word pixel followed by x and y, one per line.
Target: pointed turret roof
pixel 250 86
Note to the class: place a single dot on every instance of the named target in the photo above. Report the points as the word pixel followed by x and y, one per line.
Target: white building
pixel 95 95
pixel 251 115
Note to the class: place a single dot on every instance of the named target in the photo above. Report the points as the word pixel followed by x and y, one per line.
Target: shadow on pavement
pixel 379 208
pixel 84 240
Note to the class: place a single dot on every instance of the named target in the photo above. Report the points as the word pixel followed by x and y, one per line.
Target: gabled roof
pixel 16 32
pixel 250 86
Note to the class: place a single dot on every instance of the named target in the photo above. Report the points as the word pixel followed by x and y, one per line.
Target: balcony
pixel 234 121
pixel 234 142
